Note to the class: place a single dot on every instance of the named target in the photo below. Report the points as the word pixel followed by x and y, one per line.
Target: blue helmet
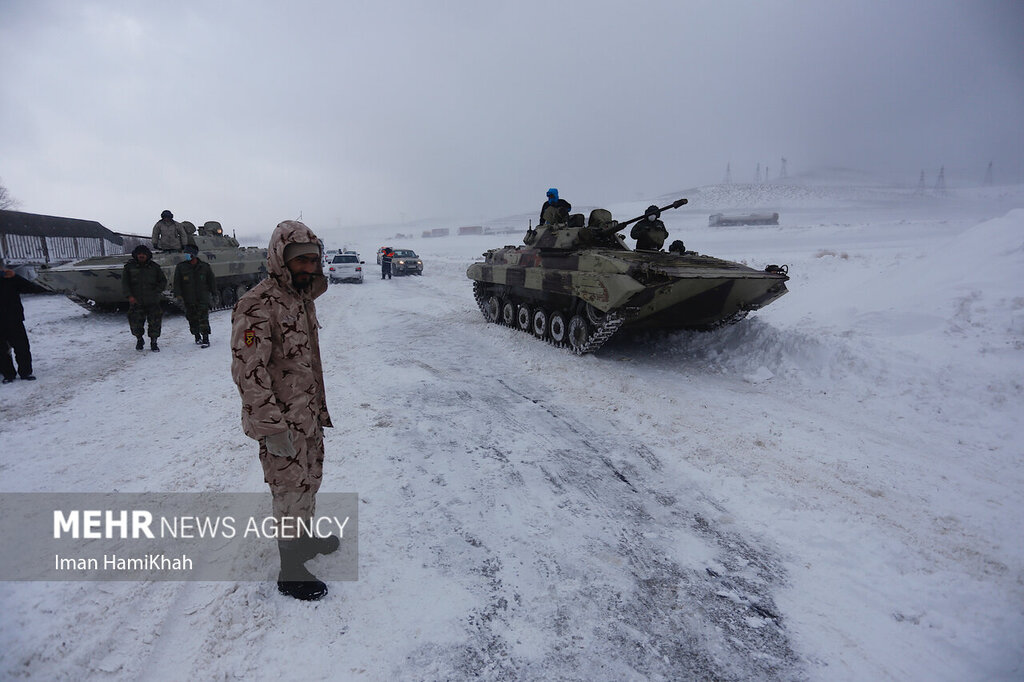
pixel 552 195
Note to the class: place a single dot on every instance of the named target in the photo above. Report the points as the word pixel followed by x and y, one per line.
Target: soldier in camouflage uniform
pixel 170 235
pixel 143 283
pixel 275 362
pixel 194 284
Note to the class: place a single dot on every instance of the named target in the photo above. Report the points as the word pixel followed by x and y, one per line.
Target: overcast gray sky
pixel 374 111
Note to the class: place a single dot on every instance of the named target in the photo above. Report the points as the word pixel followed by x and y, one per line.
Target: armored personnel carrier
pixel 577 285
pixel 95 283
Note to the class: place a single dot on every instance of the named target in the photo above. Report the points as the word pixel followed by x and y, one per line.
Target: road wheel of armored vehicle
pixel 578 333
pixel 556 327
pixel 508 313
pixel 241 289
pixel 524 319
pixel 594 316
pixel 540 323
pixel 492 309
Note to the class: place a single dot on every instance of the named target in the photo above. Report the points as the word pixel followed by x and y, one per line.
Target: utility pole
pixel 728 174
pixel 940 184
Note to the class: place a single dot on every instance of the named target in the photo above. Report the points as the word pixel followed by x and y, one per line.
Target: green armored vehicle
pixel 578 284
pixel 95 283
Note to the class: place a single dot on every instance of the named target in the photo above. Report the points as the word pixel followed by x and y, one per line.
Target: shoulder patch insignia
pixel 249 336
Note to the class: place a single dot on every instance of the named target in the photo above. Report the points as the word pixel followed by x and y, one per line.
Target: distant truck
pixel 722 220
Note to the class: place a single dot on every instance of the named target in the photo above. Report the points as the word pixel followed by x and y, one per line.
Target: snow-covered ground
pixel 832 489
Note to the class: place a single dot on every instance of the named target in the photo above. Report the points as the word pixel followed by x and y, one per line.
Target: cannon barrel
pixel 615 226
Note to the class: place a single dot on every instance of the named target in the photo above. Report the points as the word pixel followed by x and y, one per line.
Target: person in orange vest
pixel 385 263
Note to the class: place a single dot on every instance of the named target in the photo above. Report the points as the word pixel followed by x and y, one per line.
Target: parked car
pixel 345 267
pixel 406 262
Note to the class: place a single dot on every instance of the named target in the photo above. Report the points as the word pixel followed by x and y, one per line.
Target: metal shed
pixel 30 238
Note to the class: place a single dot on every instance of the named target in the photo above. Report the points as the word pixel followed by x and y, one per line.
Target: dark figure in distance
pixel 12 326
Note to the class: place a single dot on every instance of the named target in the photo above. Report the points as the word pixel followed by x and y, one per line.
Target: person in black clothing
pixel 12 326
pixel 554 210
pixel 143 282
pixel 650 233
pixel 195 285
pixel 385 263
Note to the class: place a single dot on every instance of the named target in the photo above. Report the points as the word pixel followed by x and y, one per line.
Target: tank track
pixel 600 335
pixel 480 294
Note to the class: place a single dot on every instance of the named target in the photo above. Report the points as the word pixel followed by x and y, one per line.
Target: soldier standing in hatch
pixel 275 362
pixel 650 233
pixel 194 284
pixel 554 210
pixel 143 282
pixel 169 235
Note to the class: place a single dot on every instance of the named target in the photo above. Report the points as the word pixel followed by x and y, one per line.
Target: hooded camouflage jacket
pixel 275 347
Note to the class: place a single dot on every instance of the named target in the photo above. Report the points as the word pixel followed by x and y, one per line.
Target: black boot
pixel 153 347
pixel 139 343
pixel 328 544
pixel 205 343
pixel 295 580
pixel 199 339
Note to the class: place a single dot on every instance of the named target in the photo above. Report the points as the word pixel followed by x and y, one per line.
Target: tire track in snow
pixel 623 605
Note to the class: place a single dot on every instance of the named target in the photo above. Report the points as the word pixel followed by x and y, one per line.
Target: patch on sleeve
pixel 249 336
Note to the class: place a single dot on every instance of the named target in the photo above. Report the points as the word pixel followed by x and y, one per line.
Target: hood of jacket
pixel 293 232
pixel 142 248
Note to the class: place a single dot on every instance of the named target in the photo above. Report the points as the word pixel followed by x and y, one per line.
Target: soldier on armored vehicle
pixel 577 284
pixel 169 234
pixel 571 233
pixel 650 233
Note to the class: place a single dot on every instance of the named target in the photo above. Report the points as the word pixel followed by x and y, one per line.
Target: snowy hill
pixel 829 490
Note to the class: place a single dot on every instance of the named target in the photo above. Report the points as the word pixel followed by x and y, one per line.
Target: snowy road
pixel 828 490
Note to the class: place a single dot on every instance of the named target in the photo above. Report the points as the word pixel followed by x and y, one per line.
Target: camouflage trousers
pixel 294 481
pixel 198 316
pixel 139 314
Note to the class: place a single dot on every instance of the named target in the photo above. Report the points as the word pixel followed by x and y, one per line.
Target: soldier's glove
pixel 280 444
